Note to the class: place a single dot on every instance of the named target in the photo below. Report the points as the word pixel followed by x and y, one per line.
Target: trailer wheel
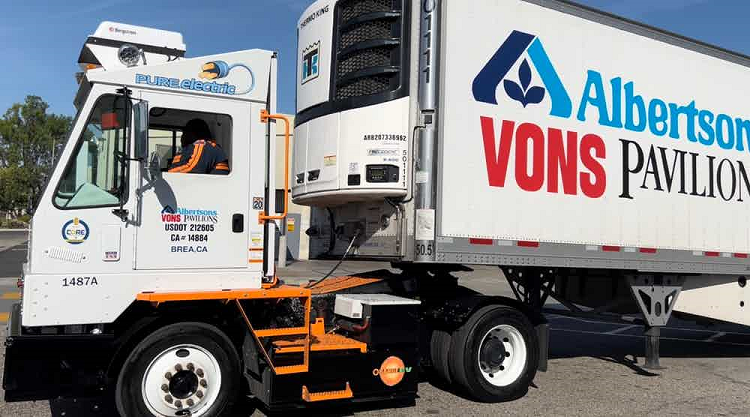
pixel 188 369
pixel 440 344
pixel 495 354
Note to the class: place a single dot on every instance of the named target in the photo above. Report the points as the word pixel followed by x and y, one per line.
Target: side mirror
pixel 140 120
pixel 154 167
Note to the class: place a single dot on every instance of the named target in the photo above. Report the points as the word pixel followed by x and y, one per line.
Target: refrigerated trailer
pixel 589 157
pixel 595 160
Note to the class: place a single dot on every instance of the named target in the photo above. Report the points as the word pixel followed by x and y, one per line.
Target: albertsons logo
pixel 663 155
pixel 521 89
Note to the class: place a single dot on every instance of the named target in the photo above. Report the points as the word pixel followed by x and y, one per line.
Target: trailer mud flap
pixel 44 366
pixel 542 334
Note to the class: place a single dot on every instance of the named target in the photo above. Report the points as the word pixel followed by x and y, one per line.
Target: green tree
pixel 30 139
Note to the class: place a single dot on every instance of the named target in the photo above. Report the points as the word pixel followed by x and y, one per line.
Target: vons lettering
pixel 572 162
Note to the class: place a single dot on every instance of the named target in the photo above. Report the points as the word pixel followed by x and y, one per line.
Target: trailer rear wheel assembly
pixel 494 355
pixel 181 369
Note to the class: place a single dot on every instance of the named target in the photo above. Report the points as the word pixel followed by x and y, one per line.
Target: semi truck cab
pixel 113 221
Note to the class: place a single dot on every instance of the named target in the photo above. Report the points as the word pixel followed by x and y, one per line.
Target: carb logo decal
pixel 189 230
pixel 208 72
pixel 576 161
pixel 392 371
pixel 75 231
pixel 311 62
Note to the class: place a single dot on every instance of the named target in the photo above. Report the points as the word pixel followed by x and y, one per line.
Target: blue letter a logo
pixel 486 83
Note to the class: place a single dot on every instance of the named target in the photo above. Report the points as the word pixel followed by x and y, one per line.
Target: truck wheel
pixel 181 369
pixel 440 344
pixel 495 354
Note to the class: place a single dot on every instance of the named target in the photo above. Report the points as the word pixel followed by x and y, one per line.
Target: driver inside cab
pixel 200 153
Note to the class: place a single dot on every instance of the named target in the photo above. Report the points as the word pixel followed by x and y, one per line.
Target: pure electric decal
pixel 311 62
pixel 572 162
pixel 209 71
pixel 189 230
pixel 75 231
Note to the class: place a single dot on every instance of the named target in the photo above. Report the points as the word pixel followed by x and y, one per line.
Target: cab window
pixel 95 176
pixel 165 132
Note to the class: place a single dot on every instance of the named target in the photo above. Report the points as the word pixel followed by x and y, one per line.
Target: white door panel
pixel 186 219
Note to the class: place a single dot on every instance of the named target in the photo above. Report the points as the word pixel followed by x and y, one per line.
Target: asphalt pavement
pixel 594 370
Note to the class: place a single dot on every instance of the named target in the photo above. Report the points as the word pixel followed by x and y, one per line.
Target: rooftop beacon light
pixel 129 55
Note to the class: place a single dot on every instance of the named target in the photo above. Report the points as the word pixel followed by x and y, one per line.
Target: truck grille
pixel 369 47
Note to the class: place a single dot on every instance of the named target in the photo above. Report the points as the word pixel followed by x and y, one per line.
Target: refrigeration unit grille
pixel 369 46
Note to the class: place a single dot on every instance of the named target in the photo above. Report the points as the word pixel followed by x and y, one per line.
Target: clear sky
pixel 40 40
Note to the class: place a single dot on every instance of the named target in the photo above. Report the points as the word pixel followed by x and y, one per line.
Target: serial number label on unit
pixel 424 250
pixel 79 282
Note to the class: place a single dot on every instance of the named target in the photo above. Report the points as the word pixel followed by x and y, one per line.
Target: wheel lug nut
pixel 204 384
pixel 178 367
pixel 190 367
pixel 168 398
pixel 168 375
pixel 199 372
pixel 165 388
pixel 190 403
pixel 178 404
pixel 199 394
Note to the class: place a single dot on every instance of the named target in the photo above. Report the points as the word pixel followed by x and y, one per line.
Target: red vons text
pixel 555 158
pixel 171 218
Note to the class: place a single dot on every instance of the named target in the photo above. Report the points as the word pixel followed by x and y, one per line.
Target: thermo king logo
pixel 311 62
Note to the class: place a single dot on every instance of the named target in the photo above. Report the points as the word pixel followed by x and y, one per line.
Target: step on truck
pixel 588 157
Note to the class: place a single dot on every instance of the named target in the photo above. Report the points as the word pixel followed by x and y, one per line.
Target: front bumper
pixel 42 366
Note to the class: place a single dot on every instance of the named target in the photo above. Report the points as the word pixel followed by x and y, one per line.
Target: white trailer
pixel 556 142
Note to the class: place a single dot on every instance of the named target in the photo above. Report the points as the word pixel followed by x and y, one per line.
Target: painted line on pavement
pixel 622 329
pixel 686 329
pixel 4 317
pixel 641 337
pixel 11 296
pixel 716 336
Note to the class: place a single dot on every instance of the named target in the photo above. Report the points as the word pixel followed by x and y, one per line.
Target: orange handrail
pixel 264 117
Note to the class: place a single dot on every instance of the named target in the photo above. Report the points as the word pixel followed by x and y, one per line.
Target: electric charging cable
pixel 338 264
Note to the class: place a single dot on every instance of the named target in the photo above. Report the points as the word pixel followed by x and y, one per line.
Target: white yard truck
pixel 586 156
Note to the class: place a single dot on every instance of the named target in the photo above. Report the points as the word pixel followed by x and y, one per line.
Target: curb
pixel 14 230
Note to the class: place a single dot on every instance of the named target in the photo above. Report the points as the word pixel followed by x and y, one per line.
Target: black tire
pixel 464 351
pixel 440 344
pixel 128 391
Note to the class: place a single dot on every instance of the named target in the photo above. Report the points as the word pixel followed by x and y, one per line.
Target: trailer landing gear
pixel 653 296
pixel 656 296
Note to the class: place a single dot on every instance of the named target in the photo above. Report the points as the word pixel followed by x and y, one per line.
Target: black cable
pixel 338 264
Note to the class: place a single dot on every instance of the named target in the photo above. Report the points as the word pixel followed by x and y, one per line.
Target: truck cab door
pixel 89 201
pixel 195 220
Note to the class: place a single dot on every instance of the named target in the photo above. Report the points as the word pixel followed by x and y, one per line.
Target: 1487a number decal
pixel 79 281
